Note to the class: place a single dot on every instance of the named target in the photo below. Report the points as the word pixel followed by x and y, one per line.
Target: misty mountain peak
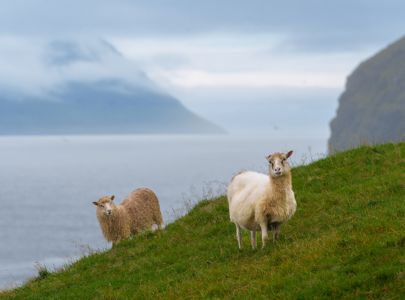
pixel 65 52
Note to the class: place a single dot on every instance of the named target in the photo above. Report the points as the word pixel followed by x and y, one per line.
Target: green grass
pixel 346 240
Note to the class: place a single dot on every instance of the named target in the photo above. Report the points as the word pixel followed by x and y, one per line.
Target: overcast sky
pixel 207 53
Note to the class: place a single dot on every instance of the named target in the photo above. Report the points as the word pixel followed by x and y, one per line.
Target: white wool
pixel 257 201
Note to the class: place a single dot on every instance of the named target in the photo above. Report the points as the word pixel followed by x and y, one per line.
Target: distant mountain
pixel 372 108
pixel 88 87
pixel 102 107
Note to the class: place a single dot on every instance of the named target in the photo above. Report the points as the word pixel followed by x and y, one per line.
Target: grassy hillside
pixel 347 240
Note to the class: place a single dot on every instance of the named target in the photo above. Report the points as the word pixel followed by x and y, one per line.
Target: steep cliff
pixel 372 107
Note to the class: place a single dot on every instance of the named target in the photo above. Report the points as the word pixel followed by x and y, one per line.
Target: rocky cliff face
pixel 372 107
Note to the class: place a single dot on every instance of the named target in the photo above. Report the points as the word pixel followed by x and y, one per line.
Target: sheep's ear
pixel 289 153
pixel 268 157
pixel 95 203
pixel 112 197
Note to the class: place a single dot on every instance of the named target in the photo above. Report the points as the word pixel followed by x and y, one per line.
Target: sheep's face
pixel 279 165
pixel 105 204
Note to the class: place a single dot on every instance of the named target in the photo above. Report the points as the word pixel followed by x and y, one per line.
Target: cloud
pixel 192 79
pixel 187 44
pixel 312 24
pixel 62 52
pixel 237 60
pixel 35 66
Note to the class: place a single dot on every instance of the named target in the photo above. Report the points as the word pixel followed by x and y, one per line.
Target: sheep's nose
pixel 277 169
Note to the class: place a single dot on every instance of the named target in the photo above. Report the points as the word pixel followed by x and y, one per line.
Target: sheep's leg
pixel 277 230
pixel 238 236
pixel 159 222
pixel 265 235
pixel 253 239
pixel 273 231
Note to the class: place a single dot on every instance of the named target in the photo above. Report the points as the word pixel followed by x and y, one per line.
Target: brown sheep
pixel 138 212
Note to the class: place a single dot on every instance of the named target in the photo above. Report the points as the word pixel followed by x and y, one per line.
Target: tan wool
pixel 138 212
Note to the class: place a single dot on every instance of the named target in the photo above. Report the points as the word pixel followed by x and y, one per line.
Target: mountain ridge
pixel 108 106
pixel 88 87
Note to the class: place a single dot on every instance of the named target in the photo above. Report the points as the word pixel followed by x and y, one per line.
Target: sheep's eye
pixel 101 205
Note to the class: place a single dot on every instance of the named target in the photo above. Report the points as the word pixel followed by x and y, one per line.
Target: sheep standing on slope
pixel 138 212
pixel 261 202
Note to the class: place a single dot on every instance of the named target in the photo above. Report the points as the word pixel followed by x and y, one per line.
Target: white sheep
pixel 261 202
pixel 139 211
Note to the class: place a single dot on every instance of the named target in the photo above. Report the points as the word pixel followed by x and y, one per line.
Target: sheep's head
pixel 105 204
pixel 279 165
